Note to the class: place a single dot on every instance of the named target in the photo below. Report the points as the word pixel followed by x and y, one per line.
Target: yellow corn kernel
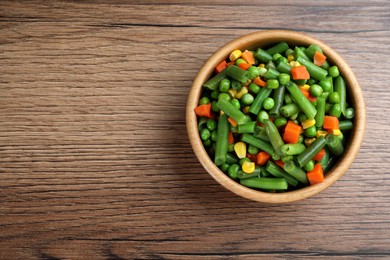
pixel 246 109
pixel 248 167
pixel 240 149
pixel 308 141
pixel 262 65
pixel 321 133
pixel 235 55
pixel 305 87
pixel 221 112
pixel 294 64
pixel 241 92
pixel 232 92
pixel 335 132
pixel 308 123
pixel 247 83
pixel 290 57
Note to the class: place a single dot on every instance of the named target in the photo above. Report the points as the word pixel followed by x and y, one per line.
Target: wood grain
pixel 94 157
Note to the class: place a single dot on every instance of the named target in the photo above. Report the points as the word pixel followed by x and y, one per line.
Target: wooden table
pixel 94 157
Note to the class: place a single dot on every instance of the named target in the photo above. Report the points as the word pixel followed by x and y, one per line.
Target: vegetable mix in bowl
pixel 275 119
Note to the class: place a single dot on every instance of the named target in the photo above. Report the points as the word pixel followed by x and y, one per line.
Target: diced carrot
pixel 311 98
pixel 251 157
pixel 319 155
pixel 248 57
pixel 291 133
pixel 260 82
pixel 299 72
pixel 260 124
pixel 203 110
pixel 221 66
pixel 244 66
pixel 330 122
pixel 279 163
pixel 232 122
pixel 319 58
pixel 305 92
pixel 262 158
pixel 316 175
pixel 230 138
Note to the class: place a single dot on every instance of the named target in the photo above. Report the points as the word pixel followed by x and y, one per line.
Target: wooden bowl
pixel 266 39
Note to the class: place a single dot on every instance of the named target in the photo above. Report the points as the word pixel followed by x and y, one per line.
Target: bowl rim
pixel 269 37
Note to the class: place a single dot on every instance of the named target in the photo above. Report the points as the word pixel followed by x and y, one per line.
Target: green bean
pixel 256 173
pixel 345 125
pixel 335 110
pixel 213 83
pixel 335 145
pixel 272 74
pixel 246 128
pixel 339 87
pixel 349 113
pixel 262 116
pixel 280 121
pixel 270 64
pixel 311 50
pixel 324 161
pixel 276 56
pixel 259 99
pixel 278 96
pixel 279 172
pixel 260 133
pixel 259 143
pixel 293 149
pixel 311 151
pixel 321 103
pixel 202 121
pixel 231 158
pixel 236 85
pixel 253 150
pixel 265 183
pixel 303 103
pixel 314 71
pixel 327 84
pixel 222 140
pixel 289 109
pixel 230 110
pixel 299 53
pixel 237 73
pixel 302 117
pixel 274 136
pixel 233 171
pixel 296 172
pixel 286 158
pixel 224 167
pixel 262 56
pixel 278 48
pixel 283 68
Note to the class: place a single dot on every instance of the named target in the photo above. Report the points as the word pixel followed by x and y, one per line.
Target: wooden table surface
pixel 95 162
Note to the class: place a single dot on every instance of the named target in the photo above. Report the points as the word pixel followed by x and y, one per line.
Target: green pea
pixel 262 71
pixel 214 94
pixel 224 85
pixel 286 158
pixel 276 56
pixel 214 107
pixel 239 61
pixel 247 99
pixel 334 71
pixel 207 143
pixel 205 134
pixel 281 121
pixel 270 64
pixel 233 170
pixel 224 167
pixel 231 148
pixel 316 90
pixel 272 83
pixel 253 72
pixel 327 108
pixel 211 124
pixel 245 159
pixel 301 82
pixel 236 85
pixel 284 78
pixel 326 85
pixel 294 117
pixel 262 116
pixel 225 96
pixel 236 103
pixel 311 131
pixel 287 99
pixel 254 88
pixel 301 139
pixel 335 110
pixel 311 81
pixel 204 100
pixel 302 117
pixel 289 52
pixel 268 103
pixel 275 156
pixel 334 98
pixel 349 113
pixel 214 136
pixel 282 59
pixel 309 166
pixel 253 150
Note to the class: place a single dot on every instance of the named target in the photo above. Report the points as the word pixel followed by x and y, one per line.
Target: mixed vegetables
pixel 275 119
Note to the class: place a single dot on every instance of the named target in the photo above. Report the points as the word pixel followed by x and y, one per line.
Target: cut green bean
pixel 280 121
pixel 296 172
pixel 257 104
pixel 349 113
pixel 311 151
pixel 299 53
pixel 222 140
pixel 278 48
pixel 289 109
pixel 230 110
pixel 293 149
pixel 325 159
pixel 345 125
pixel 260 133
pixel 259 143
pixel 314 71
pixel 327 84
pixel 278 96
pixel 265 183
pixel 262 56
pixel 272 74
pixel 283 68
pixel 321 103
pixel 231 158
pixel 279 172
pixel 274 136
pixel 335 145
pixel 256 173
pixel 303 103
pixel 246 128
pixel 339 87
pixel 237 73
pixel 311 50
pixel 213 83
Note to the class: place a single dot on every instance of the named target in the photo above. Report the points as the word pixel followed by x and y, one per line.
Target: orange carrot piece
pixel 316 175
pixel 311 98
pixel 262 158
pixel 203 110
pixel 260 82
pixel 252 157
pixel 330 122
pixel 232 122
pixel 221 66
pixel 319 155
pixel 319 58
pixel 230 138
pixel 244 66
pixel 248 57
pixel 299 73
pixel 291 133
pixel 305 92
pixel 279 163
